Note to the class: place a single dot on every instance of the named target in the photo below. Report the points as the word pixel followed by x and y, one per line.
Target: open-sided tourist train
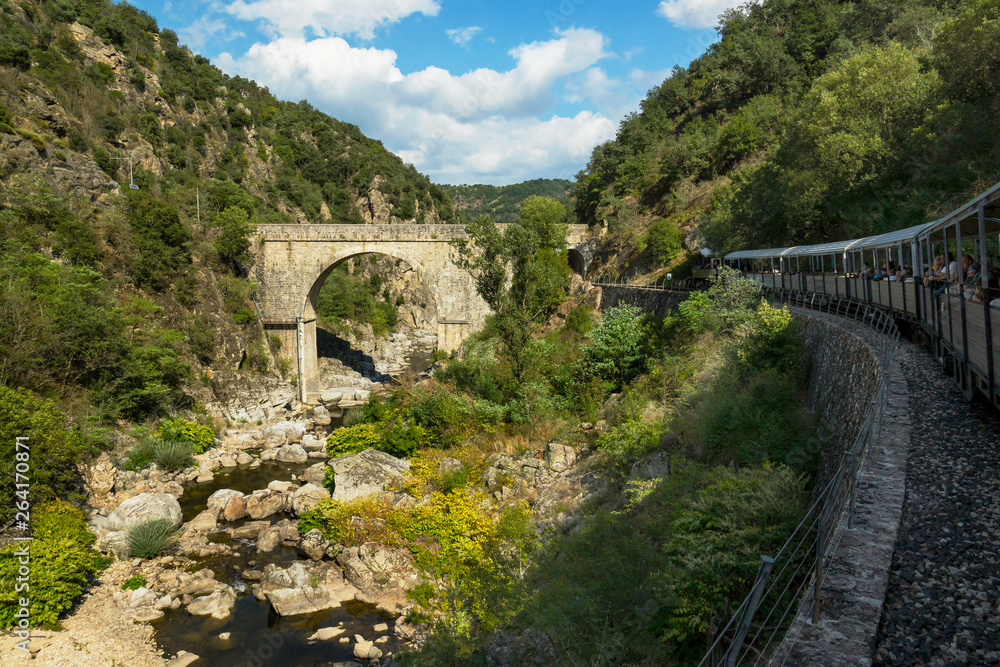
pixel 962 320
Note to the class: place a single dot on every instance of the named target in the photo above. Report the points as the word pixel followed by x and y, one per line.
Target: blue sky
pixel 469 92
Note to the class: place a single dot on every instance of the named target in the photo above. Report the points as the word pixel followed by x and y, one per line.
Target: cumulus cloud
pixel 329 17
pixel 695 13
pixel 462 36
pixel 480 126
pixel 201 30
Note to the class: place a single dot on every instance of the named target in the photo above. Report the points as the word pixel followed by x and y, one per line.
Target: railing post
pixel 852 482
pixel 763 575
pixel 818 568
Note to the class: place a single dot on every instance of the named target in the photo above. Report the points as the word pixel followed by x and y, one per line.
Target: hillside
pixel 122 305
pixel 502 203
pixel 806 121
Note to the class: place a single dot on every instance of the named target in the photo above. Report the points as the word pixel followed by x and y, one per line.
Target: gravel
pixel 94 634
pixel 943 602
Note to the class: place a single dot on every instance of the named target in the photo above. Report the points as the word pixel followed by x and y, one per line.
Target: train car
pixel 897 272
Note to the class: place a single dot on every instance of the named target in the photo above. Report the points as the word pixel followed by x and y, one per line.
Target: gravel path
pixel 943 603
pixel 95 634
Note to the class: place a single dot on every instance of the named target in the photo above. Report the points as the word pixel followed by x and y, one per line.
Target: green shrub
pixel 62 564
pixel 353 416
pixel 140 456
pixel 579 320
pixel 664 241
pixel 201 437
pixel 150 538
pixel 174 454
pixel 403 440
pixel 351 439
pixel 51 449
pixel 134 583
pixel 615 352
pixel 626 443
pixel 257 357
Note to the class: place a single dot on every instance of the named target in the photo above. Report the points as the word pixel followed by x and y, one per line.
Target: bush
pixel 351 439
pixel 166 454
pixel 403 440
pixel 174 455
pixel 626 443
pixel 62 564
pixel 615 351
pixel 579 320
pixel 54 449
pixel 664 241
pixel 150 538
pixel 201 437
pixel 134 583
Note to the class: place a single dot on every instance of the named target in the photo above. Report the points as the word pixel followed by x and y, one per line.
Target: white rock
pixel 325 634
pixel 144 507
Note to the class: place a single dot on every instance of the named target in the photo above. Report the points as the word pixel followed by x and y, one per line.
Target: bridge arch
pixel 308 308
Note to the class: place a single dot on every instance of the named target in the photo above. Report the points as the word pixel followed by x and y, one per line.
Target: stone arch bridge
pixel 292 261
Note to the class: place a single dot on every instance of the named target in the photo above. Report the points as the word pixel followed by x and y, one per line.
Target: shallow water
pixel 258 636
pixel 241 478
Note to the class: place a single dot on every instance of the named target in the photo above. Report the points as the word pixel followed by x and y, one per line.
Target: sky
pixel 468 92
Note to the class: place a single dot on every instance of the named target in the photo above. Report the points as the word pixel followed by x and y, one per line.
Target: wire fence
pixel 794 575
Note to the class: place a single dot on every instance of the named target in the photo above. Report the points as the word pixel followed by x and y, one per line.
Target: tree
pixel 233 241
pixel 521 273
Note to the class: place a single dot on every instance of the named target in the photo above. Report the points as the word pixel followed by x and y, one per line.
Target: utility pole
pixel 131 184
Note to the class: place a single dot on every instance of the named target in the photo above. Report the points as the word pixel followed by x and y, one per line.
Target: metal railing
pixel 664 284
pixel 784 582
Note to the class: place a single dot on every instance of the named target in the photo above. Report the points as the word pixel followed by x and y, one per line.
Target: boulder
pixel 559 456
pixel 262 504
pixel 235 509
pixel 249 530
pixel 364 473
pixel 285 432
pixel 533 647
pixel 307 497
pixel 450 466
pixel 205 522
pixel 314 474
pixel 655 465
pixel 218 604
pixel 330 397
pixel 183 659
pixel 114 543
pixel 268 539
pixel 326 634
pixel 364 650
pixel 375 568
pixel 144 507
pixel 292 454
pixel 314 544
pixel 279 486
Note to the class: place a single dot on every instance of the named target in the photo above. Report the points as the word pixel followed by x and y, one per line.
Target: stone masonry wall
pixel 659 302
pixel 843 381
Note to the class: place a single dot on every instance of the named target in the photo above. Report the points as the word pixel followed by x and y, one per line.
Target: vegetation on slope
pixel 651 562
pixel 809 121
pixel 120 306
pixel 502 203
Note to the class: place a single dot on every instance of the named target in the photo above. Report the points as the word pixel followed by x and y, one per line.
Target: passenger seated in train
pixel 937 272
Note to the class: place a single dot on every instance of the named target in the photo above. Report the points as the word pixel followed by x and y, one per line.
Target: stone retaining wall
pixel 657 301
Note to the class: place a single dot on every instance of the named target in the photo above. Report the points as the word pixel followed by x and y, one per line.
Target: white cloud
pixel 480 126
pixel 462 36
pixel 330 17
pixel 695 13
pixel 201 30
